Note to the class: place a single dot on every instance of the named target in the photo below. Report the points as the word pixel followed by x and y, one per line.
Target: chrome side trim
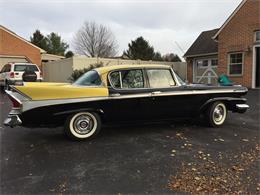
pixel 196 92
pixel 41 103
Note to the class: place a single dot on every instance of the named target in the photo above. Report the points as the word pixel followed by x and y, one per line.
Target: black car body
pixel 120 93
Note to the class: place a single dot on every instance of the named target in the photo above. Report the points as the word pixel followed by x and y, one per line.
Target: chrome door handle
pixel 156 92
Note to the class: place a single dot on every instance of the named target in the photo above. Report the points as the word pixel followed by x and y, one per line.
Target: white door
pixel 205 71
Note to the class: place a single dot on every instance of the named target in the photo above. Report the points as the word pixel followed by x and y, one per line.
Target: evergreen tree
pixel 139 49
pixel 52 43
pixel 157 56
pixel 55 44
pixel 39 40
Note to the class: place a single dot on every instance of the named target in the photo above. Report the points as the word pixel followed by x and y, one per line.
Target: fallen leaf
pixel 197 178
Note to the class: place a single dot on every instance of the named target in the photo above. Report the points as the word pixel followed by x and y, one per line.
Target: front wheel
pixel 216 114
pixel 82 126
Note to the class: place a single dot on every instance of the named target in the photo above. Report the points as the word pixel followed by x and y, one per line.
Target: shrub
pixel 78 73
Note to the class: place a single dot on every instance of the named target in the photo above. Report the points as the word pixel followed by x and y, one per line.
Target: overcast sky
pixel 161 22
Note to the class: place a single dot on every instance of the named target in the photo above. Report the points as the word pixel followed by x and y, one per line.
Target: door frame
pixel 254 66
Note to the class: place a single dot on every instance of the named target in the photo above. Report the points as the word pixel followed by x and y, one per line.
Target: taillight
pixel 16 103
pixel 11 75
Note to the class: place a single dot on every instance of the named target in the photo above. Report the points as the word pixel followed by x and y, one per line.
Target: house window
pixel 236 64
pixel 202 63
pixel 214 62
pixel 257 36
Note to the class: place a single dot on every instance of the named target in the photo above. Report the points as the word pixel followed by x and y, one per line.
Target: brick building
pixel 14 48
pixel 233 49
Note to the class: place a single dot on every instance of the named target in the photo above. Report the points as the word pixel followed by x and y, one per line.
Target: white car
pixel 16 73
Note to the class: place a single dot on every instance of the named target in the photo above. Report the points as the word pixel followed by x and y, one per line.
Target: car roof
pixel 106 69
pixel 22 63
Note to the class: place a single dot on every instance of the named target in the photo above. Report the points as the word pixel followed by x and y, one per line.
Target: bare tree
pixel 95 40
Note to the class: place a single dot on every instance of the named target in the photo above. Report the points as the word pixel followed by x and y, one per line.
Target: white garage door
pixel 205 71
pixel 5 59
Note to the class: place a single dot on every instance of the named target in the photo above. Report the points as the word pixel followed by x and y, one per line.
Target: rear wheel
pixel 216 114
pixel 82 126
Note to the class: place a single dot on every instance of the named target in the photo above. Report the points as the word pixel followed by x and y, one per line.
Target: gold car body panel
pixel 65 91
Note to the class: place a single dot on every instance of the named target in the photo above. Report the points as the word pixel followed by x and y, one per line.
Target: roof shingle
pixel 204 44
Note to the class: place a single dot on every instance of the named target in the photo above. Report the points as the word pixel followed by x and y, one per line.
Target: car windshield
pixel 180 79
pixel 25 67
pixel 90 78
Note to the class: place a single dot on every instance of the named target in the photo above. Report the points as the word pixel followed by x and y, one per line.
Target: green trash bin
pixel 224 80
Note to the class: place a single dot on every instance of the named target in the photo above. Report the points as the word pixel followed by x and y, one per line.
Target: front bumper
pixel 241 108
pixel 12 121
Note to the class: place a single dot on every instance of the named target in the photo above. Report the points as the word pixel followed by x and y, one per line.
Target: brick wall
pixel 11 45
pixel 189 69
pixel 238 36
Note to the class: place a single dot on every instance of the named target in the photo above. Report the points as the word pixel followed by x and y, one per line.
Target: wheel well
pixel 227 103
pixel 65 114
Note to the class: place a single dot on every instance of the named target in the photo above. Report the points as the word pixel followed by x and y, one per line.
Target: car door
pixel 168 98
pixel 3 74
pixel 128 95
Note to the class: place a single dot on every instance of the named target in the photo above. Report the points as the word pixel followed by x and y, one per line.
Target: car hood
pixel 45 91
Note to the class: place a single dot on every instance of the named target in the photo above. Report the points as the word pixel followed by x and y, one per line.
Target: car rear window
pixel 25 67
pixel 90 78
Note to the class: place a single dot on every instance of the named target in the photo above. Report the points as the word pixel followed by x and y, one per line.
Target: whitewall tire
pixel 82 125
pixel 216 114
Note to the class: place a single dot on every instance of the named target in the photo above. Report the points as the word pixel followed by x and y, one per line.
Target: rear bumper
pixel 241 108
pixel 12 121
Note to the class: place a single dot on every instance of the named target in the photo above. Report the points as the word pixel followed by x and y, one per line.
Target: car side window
pixel 160 78
pixel 3 69
pixel 8 68
pixel 115 79
pixel 127 79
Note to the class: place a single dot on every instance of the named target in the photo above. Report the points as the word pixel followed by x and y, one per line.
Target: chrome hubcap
pixel 219 113
pixel 83 124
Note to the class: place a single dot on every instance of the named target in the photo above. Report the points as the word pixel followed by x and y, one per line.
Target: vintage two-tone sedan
pixel 121 93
